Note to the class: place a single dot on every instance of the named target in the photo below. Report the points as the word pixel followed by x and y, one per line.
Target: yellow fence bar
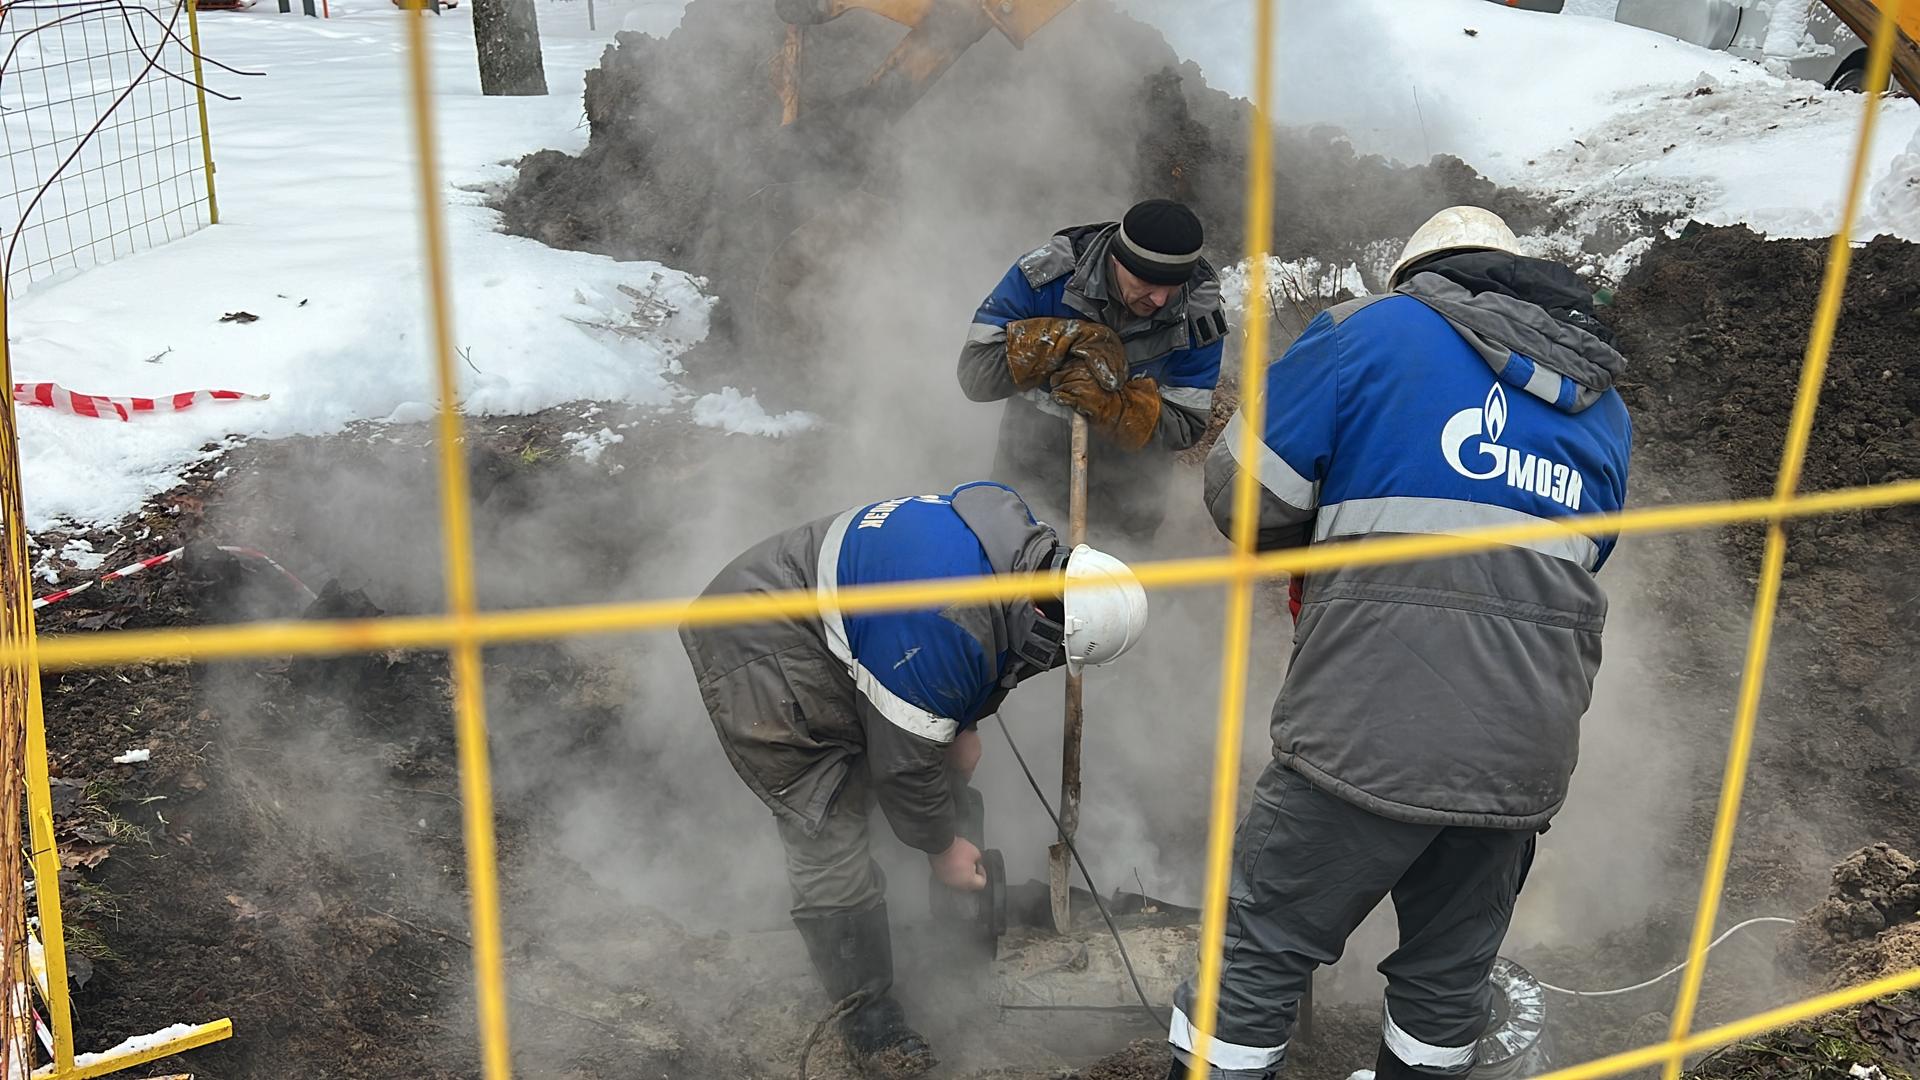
pixel 319 637
pixel 1755 1024
pixel 1246 520
pixel 456 535
pixel 46 873
pixel 1813 370
pixel 112 1062
pixel 200 99
pixel 43 851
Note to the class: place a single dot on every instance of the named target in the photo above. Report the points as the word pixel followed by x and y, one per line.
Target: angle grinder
pixel 981 914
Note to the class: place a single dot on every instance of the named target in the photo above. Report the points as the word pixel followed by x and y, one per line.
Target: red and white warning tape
pixel 60 399
pixel 161 560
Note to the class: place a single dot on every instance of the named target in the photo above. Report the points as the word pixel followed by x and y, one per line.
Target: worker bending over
pixel 1120 322
pixel 1430 717
pixel 825 715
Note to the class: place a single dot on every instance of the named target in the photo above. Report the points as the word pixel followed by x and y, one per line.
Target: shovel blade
pixel 1059 892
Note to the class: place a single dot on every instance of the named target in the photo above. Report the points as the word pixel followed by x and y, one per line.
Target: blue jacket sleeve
pixel 1196 367
pixel 983 360
pixel 1303 396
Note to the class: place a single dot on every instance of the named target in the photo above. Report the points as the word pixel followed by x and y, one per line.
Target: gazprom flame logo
pixel 1488 421
pixel 1487 459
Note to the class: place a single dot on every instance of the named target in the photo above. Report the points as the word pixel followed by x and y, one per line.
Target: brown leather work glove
pixel 1126 416
pixel 1036 348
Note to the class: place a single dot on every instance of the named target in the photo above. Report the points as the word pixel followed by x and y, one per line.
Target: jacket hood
pixel 1531 320
pixel 1014 543
pixel 999 519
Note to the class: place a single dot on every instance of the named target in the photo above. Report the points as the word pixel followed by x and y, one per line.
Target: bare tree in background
pixel 506 34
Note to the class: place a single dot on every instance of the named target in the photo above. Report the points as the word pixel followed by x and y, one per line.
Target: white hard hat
pixel 1105 608
pixel 1457 228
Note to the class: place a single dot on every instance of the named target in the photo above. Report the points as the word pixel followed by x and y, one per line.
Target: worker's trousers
pixel 1308 867
pixel 832 871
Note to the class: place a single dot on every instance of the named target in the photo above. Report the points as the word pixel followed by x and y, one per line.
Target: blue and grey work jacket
pixel 798 702
pixel 1448 691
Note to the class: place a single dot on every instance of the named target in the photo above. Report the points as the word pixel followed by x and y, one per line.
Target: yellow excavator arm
pixel 1863 16
pixel 938 31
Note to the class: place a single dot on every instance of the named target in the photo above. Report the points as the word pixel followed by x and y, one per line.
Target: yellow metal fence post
pixel 1773 562
pixel 46 875
pixel 456 532
pixel 1239 616
pixel 44 854
pixel 200 98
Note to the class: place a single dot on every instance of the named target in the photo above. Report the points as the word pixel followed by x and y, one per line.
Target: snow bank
pixel 1619 122
pixel 1787 37
pixel 319 240
pixel 1409 81
pixel 1893 205
pixel 742 415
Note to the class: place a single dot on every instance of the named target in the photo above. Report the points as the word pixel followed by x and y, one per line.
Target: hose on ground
pixel 1670 972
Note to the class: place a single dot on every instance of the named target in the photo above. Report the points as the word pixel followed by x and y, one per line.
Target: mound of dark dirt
pixel 687 161
pixel 1863 930
pixel 1714 324
pixel 1865 927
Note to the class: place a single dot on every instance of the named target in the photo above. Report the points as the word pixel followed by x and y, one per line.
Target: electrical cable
pixel 843 1007
pixel 1670 972
pixel 1125 960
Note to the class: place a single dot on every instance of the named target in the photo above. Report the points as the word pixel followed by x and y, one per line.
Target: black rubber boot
pixel 854 954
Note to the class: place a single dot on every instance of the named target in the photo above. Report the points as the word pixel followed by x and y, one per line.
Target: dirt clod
pixel 1865 927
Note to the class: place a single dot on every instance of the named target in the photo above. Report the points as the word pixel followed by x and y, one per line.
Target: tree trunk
pixel 506 34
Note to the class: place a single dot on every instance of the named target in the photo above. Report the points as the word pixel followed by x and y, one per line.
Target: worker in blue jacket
pixel 825 715
pixel 1430 718
pixel 1120 322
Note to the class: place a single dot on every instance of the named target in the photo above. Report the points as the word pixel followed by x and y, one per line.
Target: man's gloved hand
pixel 1101 354
pixel 958 867
pixel 1036 348
pixel 1126 416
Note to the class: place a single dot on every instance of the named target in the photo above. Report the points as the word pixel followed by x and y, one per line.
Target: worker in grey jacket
pixel 1430 717
pixel 1120 322
pixel 824 716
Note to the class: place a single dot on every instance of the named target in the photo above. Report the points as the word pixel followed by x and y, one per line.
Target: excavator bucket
pixel 938 32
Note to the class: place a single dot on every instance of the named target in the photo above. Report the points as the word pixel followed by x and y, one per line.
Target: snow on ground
pixel 1613 119
pixel 319 239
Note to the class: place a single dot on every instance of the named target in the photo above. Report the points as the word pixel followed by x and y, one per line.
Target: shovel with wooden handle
pixel 1059 856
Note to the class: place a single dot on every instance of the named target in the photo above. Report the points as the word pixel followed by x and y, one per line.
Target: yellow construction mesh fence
pixel 464 631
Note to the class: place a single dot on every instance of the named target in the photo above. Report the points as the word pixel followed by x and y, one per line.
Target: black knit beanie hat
pixel 1159 242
